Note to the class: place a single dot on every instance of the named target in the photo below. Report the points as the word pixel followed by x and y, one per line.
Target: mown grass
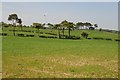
pixel 33 57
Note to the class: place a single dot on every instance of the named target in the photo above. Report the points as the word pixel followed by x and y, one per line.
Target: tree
pixel 95 25
pixel 91 28
pixel 13 18
pixel 100 29
pixel 70 26
pixel 2 24
pixel 64 24
pixel 50 25
pixel 38 26
pixel 87 24
pixel 20 23
pixel 79 25
pixel 57 26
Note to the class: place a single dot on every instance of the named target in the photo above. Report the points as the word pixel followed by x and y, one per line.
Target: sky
pixel 105 14
pixel 60 0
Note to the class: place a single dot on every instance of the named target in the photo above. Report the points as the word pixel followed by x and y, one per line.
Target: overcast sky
pixel 105 14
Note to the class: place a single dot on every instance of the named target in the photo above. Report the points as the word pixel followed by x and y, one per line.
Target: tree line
pixel 64 25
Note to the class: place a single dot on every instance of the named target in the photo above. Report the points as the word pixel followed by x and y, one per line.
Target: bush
pixel 47 36
pixel 32 31
pixel 3 34
pixel 89 38
pixel 43 36
pixel 41 32
pixel 71 37
pixel 84 35
pixel 75 38
pixel 51 33
pixel 99 38
pixel 117 39
pixel 29 35
pixel 20 35
pixel 109 39
pixel 100 29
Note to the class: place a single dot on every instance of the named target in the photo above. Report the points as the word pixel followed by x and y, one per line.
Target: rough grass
pixel 25 57
pixel 59 58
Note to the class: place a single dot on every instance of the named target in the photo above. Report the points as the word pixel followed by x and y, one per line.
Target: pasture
pixel 34 57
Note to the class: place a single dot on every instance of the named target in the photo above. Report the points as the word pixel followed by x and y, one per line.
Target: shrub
pixel 51 33
pixel 29 35
pixel 71 37
pixel 3 34
pixel 48 36
pixel 100 29
pixel 41 32
pixel 43 36
pixel 84 35
pixel 117 39
pixel 75 37
pixel 32 31
pixel 89 38
pixel 108 39
pixel 20 35
pixel 99 38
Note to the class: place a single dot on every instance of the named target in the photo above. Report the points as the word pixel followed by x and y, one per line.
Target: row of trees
pixel 78 25
pixel 64 25
pixel 86 25
pixel 61 26
pixel 38 26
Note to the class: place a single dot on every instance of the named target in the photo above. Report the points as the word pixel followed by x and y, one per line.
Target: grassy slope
pixel 92 33
pixel 59 58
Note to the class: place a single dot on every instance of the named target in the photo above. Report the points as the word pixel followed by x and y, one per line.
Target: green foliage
pixel 79 24
pixel 64 23
pixel 57 26
pixel 50 25
pixel 84 35
pixel 38 25
pixel 13 17
pixel 95 25
pixel 19 21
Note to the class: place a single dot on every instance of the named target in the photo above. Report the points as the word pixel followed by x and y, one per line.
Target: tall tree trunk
pixel 21 27
pixel 14 31
pixel 63 32
pixel 38 32
pixel 2 28
pixel 59 34
pixel 14 25
pixel 69 32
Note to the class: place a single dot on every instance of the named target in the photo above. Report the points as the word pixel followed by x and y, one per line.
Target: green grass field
pixel 34 57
